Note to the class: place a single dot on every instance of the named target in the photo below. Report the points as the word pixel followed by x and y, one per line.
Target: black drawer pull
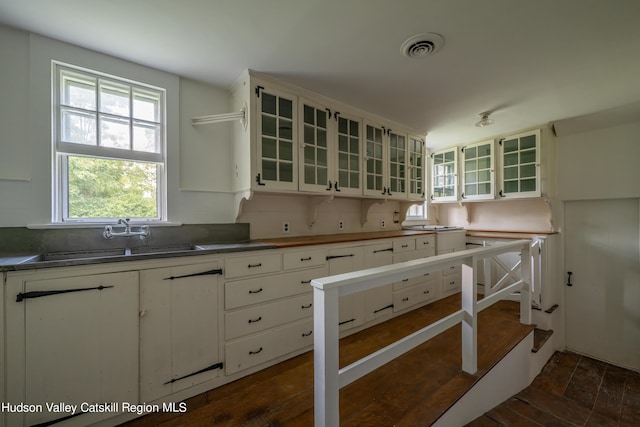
pixel 405 280
pixel 426 243
pixel 347 321
pixel 37 294
pixel 255 352
pixel 307 334
pixel 255 320
pixel 305 282
pixel 204 273
pixel 383 308
pixel 452 283
pixel 255 292
pixel 426 274
pixel 306 259
pixel 405 299
pixel 452 267
pixel 426 292
pixel 254 265
pixel 306 306
pixel 405 246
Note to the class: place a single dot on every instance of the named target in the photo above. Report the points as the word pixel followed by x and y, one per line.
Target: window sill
pixel 61 225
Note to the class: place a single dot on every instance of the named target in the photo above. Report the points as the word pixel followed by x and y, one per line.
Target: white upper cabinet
pixel 275 135
pixel 444 179
pixel 478 171
pixel 330 150
pixel 520 165
pixel 386 163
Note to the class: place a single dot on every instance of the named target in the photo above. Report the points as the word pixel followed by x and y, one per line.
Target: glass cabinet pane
pixel 275 136
pixel 315 146
pixel 374 169
pixel 444 174
pixel 520 164
pixel 348 153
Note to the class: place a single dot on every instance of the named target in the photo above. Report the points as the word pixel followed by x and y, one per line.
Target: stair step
pixel 540 337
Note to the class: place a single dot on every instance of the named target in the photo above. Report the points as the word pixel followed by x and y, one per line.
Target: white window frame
pixel 62 150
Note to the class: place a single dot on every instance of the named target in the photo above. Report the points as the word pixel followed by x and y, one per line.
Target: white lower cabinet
pixel 72 340
pixel 178 328
pixel 448 242
pixel 344 260
pixel 378 302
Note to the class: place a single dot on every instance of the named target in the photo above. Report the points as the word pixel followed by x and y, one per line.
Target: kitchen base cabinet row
pixel 164 331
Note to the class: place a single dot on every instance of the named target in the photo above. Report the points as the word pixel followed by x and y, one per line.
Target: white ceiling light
pixel 422 45
pixel 484 119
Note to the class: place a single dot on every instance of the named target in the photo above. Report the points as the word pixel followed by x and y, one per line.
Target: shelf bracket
pixel 468 212
pixel 225 117
pixel 548 203
pixel 314 203
pixel 240 199
pixel 365 205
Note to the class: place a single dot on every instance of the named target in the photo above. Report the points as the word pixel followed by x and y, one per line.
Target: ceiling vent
pixel 422 45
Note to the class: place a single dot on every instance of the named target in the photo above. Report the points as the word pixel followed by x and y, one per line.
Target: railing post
pixel 325 353
pixel 470 321
pixel 525 291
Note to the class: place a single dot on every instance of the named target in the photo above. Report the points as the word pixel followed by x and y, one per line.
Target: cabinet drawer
pixel 456 240
pixel 252 265
pixel 261 289
pixel 414 295
pixel 265 316
pixel 407 283
pixel 426 242
pixel 251 351
pixel 451 283
pixel 404 245
pixel 453 269
pixel 304 259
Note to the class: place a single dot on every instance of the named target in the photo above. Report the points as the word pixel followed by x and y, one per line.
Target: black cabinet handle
pixel 37 294
pixel 426 292
pixel 305 259
pixel 405 299
pixel 383 250
pixel 255 292
pixel 330 186
pixel 337 189
pixel 307 334
pixel 405 280
pixel 383 308
pixel 338 256
pixel 384 190
pixel 569 273
pixel 346 321
pixel 305 282
pixel 218 365
pixel 255 320
pixel 254 265
pixel 204 273
pixel 306 306
pixel 405 246
pixel 255 352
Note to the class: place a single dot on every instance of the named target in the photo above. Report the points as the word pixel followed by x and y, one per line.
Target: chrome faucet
pixel 143 232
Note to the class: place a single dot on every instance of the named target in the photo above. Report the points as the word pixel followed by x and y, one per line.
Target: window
pixel 417 212
pixel 108 136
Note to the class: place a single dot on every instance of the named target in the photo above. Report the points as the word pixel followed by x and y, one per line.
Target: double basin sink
pixel 103 253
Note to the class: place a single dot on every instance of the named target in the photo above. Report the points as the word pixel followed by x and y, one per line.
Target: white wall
pixel 198 160
pixel 599 164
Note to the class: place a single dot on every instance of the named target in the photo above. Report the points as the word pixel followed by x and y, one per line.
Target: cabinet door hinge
pixel 37 294
pixel 500 141
pixel 336 114
pixel 259 180
pixel 218 365
pixel 204 273
pixel 258 89
pixel 328 111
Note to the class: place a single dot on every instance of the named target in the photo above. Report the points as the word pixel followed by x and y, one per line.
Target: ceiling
pixel 529 62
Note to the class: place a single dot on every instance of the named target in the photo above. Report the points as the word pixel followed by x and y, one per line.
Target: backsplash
pixel 25 241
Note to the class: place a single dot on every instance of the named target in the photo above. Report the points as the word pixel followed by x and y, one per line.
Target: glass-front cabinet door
pixel 397 186
pixel 478 171
pixel 315 174
pixel 374 161
pixel 520 156
pixel 276 145
pixel 348 180
pixel 444 182
pixel 416 168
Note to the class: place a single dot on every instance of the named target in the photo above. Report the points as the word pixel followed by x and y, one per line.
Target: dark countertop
pixel 32 262
pixel 289 242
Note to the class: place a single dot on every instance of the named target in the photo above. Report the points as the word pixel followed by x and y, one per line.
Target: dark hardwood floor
pixel 572 390
pixel 413 390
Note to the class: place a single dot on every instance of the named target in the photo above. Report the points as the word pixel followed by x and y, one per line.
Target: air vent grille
pixel 422 45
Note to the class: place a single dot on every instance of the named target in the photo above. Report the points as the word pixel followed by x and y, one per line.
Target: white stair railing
pixel 329 379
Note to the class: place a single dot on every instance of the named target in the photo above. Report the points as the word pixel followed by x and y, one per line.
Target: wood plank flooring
pixel 413 390
pixel 572 390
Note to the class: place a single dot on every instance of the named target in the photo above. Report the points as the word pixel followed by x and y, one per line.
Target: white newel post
pixel 470 321
pixel 525 291
pixel 326 349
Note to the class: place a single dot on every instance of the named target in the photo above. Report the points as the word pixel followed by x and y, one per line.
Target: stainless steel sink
pixel 65 256
pixel 162 249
